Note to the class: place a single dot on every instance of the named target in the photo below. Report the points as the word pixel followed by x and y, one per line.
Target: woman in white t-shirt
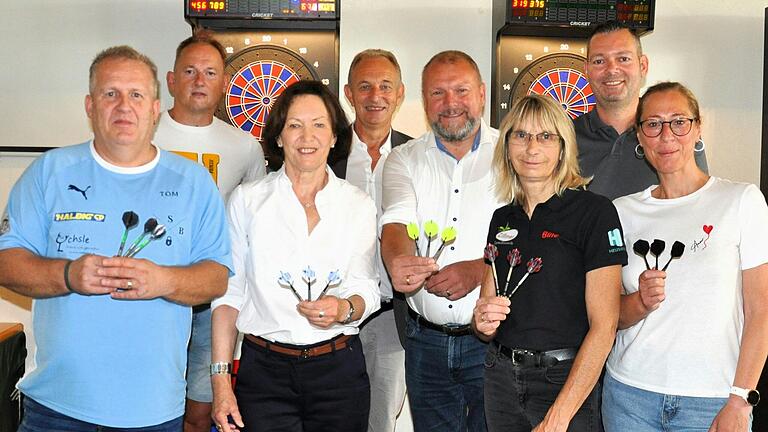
pixel 693 336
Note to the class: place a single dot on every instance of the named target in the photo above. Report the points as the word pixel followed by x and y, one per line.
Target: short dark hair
pixel 693 104
pixel 201 37
pixel 614 26
pixel 279 113
pixel 122 52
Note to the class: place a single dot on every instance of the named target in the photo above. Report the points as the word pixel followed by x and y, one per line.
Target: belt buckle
pixel 305 353
pixel 516 357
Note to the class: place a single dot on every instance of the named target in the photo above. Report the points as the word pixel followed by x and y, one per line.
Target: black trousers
pixel 276 392
pixel 517 398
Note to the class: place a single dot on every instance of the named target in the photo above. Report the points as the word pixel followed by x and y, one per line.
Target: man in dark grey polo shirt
pixel 608 147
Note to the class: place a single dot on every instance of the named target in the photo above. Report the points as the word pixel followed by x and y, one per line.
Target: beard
pixel 457 133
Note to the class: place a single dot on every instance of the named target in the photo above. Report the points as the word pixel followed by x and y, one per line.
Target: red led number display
pixel 207 5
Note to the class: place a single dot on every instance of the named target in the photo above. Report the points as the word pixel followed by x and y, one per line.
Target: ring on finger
pixel 322 313
pixel 129 284
pixel 447 293
pixel 482 317
pixel 408 280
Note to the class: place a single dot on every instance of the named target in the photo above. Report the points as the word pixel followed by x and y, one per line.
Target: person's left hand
pixel 322 313
pixel 550 426
pixel 137 279
pixel 456 280
pixel 733 416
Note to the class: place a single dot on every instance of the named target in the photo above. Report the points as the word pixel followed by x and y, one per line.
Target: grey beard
pixel 458 135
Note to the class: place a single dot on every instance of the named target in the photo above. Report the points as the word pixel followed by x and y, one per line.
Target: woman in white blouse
pixel 302 366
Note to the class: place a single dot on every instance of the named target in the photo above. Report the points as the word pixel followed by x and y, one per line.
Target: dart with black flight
pixel 130 220
pixel 491 252
pixel 514 259
pixel 657 247
pixel 534 265
pixel 641 248
pixel 448 236
pixel 677 251
pixel 158 232
pixel 149 226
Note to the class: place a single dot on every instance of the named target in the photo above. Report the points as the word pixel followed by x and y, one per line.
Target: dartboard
pixel 558 76
pixel 259 75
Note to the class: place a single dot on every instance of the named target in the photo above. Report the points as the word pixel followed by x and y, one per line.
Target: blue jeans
pixel 517 398
pixel 38 418
pixel 444 376
pixel 627 408
pixel 199 358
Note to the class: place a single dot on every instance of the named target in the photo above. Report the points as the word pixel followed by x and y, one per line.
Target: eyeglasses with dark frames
pixel 679 126
pixel 521 138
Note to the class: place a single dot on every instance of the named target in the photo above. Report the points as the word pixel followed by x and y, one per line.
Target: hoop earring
pixel 639 152
pixel 699 146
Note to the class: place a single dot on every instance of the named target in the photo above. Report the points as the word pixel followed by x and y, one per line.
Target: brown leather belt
pixel 336 344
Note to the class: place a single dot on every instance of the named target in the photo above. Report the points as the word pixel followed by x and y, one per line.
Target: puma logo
pixel 82 191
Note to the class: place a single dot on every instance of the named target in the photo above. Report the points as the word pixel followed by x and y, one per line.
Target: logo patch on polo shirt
pixel 5 225
pixel 614 238
pixel 549 235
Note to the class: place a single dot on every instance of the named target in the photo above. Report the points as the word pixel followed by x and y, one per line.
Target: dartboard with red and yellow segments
pixel 568 87
pixel 259 75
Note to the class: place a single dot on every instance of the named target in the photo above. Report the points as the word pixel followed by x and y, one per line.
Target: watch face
pixel 753 397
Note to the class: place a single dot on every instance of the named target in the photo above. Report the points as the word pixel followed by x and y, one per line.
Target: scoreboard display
pixel 275 9
pixel 564 12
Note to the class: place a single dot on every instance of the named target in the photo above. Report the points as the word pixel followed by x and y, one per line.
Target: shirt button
pixel 456 190
pixel 453 248
pixel 454 219
pixel 450 306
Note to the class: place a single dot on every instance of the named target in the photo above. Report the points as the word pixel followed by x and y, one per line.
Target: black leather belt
pixel 442 328
pixel 528 358
pixel 201 308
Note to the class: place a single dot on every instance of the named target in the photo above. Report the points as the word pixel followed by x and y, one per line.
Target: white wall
pixel 715 47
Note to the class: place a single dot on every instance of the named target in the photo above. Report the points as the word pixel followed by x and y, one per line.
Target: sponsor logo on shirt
pixel 615 240
pixel 72 242
pixel 549 235
pixel 77 189
pixel 79 216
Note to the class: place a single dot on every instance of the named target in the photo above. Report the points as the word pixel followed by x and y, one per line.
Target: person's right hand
pixel 224 405
pixel 651 289
pixel 489 313
pixel 84 277
pixel 409 272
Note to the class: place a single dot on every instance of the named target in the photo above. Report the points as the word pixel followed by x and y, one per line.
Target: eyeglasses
pixel 679 126
pixel 521 138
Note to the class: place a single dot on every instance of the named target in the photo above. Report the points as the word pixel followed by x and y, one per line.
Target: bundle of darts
pixel 431 229
pixel 308 276
pixel 514 259
pixel 641 247
pixel 152 231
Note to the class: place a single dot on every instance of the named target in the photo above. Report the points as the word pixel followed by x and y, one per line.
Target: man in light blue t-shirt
pixel 112 331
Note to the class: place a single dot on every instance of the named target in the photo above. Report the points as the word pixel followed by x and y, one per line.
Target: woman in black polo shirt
pixel 550 334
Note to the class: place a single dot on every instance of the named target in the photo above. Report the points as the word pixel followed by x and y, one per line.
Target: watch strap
pixel 221 368
pixel 348 318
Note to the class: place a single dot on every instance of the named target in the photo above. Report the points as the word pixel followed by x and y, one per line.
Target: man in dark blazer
pixel 375 90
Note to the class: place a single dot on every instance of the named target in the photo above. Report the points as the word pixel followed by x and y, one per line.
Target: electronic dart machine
pixel 541 46
pixel 271 44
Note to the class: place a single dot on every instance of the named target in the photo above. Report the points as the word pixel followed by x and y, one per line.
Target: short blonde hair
pixel 551 117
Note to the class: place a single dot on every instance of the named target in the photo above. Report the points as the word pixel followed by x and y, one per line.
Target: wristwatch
pixel 221 368
pixel 750 396
pixel 348 318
